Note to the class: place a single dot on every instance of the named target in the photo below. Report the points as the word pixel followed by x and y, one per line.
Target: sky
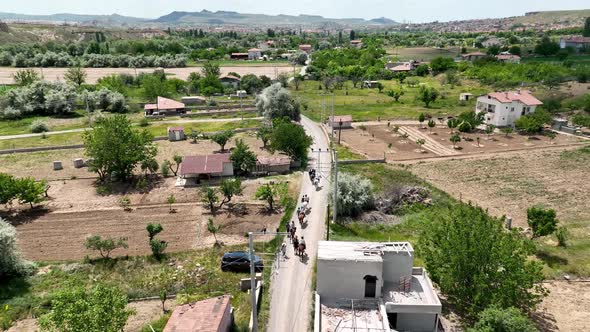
pixel 414 11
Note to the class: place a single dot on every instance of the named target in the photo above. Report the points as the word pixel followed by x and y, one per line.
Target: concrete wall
pixel 416 322
pixel 396 265
pixel 227 320
pixel 344 279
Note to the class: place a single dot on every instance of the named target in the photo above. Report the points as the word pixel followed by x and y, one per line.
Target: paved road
pixel 291 288
pixel 78 130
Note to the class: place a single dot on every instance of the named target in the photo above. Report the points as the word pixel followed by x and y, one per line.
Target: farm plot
pixel 509 184
pixel 400 143
pixel 76 211
pixel 39 164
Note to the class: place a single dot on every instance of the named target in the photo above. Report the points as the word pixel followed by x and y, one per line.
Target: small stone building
pixel 176 134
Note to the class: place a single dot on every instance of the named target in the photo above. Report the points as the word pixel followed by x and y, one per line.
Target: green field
pixel 369 104
pixel 422 53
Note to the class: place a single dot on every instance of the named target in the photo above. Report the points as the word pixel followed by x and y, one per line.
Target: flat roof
pixel 418 292
pixel 204 316
pixel 363 318
pixel 359 251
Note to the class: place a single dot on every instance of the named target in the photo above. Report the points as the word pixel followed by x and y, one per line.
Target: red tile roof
pixel 343 118
pixel 230 77
pixel 507 56
pixel 403 67
pixel 254 50
pixel 578 39
pixel 150 107
pixel 523 96
pixel 304 46
pixel 239 54
pixel 356 41
pixel 474 54
pixel 168 104
pixel 274 161
pixel 204 316
pixel 209 164
pixel 175 129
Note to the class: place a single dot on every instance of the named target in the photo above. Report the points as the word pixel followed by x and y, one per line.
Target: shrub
pixel 39 126
pixel 10 113
pixel 104 246
pixel 11 263
pixel 144 122
pixel 562 235
pixel 158 247
pixel 505 320
pixel 542 221
pixel 355 195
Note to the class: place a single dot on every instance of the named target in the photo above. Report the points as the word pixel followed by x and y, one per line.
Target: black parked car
pixel 239 261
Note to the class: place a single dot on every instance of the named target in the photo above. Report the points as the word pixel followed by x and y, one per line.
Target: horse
pixel 301 217
pixel 301 250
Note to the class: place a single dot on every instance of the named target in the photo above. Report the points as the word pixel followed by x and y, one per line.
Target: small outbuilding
pixel 254 53
pixel 465 96
pixel 176 134
pixel 473 56
pixel 211 315
pixel 239 56
pixel 274 164
pixel 370 84
pixel 340 121
pixel 305 48
pixel 213 165
pixel 164 106
pixel 230 81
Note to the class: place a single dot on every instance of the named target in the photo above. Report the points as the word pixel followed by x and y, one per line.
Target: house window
pixel 512 109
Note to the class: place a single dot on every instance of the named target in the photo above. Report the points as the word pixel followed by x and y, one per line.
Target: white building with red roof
pixel 502 109
pixel 254 53
pixel 213 165
pixel 164 106
pixel 577 42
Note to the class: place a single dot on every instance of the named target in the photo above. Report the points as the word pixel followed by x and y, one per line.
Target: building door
pixel 177 134
pixel 370 285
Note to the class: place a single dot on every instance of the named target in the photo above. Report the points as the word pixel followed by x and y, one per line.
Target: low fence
pixel 362 161
pixel 79 146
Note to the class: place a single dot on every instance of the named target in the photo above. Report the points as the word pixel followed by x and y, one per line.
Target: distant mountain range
pixel 204 17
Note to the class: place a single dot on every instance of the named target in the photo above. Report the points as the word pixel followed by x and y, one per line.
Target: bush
pixel 11 263
pixel 542 221
pixel 505 320
pixel 144 122
pixel 158 247
pixel 39 126
pixel 562 235
pixel 10 113
pixel 104 246
pixel 355 195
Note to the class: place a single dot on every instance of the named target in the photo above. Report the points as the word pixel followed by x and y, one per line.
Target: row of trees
pixel 51 59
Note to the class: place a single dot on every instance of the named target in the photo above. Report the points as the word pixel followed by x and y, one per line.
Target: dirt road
pixel 291 287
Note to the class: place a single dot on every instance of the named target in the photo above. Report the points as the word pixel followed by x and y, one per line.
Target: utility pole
pixel 241 110
pixel 335 198
pixel 332 129
pixel 339 131
pixel 253 283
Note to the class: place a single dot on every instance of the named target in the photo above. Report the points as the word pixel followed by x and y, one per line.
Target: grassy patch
pixel 38 141
pixel 156 325
pixel 369 104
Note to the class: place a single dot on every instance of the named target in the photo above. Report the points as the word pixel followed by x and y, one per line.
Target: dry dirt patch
pixel 567 307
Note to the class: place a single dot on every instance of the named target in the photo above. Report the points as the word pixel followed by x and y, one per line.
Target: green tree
pixel 422 70
pixel 194 135
pixel 104 245
pixel 31 191
pixel 116 148
pixel 452 124
pixel 251 83
pixel 503 319
pixel 153 230
pixel 421 143
pixel 507 131
pixel 421 119
pixel 171 200
pixel 355 195
pixel 477 264
pixel 489 130
pixel 158 247
pixel 100 309
pixel 427 95
pixel 153 87
pixel 442 64
pixel 355 73
pixel 213 229
pixel 271 192
pixel 174 167
pixel 542 221
pixel 222 138
pixel 209 197
pixel 8 188
pixel 455 138
pixel 243 159
pixel 395 94
pixel 229 189
pixel 25 77
pixel 586 31
pixel 75 76
pixel 291 139
pixel 431 124
pixel 264 133
pixel 297 79
pixel 211 69
pixel 546 47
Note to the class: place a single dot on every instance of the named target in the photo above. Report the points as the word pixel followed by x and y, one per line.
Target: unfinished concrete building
pixel 368 286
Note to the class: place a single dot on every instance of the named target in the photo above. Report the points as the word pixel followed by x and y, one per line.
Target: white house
pixel 502 109
pixel 254 54
pixel 360 271
pixel 577 42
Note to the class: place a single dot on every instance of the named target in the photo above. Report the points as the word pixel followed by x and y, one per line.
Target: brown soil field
pixel 566 308
pixel 375 140
pixel 509 184
pixel 40 164
pixel 57 74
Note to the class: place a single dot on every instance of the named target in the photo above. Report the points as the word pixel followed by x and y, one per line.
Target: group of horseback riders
pixel 299 246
